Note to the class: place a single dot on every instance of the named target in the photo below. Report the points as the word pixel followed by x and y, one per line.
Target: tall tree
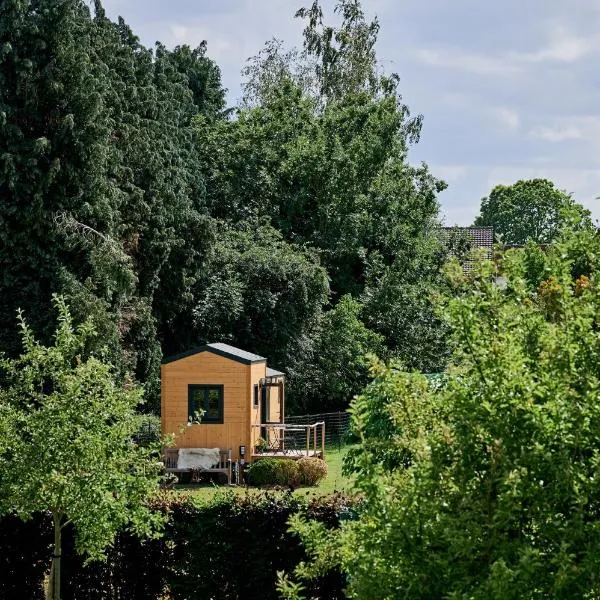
pixel 102 193
pixel 67 447
pixel 320 148
pixel 531 209
pixel 55 129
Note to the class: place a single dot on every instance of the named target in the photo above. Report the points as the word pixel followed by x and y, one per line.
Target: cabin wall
pixel 206 368
pixel 258 371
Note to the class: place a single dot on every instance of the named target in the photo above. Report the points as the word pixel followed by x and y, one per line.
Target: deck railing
pixel 290 440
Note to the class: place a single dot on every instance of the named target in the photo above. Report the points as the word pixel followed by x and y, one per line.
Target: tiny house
pixel 218 396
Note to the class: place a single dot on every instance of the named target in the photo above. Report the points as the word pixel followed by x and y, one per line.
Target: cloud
pixel 561 129
pixel 453 58
pixel 555 134
pixel 564 47
pixel 507 117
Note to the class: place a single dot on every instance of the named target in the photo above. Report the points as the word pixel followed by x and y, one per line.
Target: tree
pixel 320 149
pixel 56 157
pixel 484 484
pixel 337 369
pixel 101 192
pixel 261 293
pixel 530 209
pixel 67 443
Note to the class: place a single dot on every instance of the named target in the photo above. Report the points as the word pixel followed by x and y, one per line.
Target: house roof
pixel 231 352
pixel 274 373
pixel 481 237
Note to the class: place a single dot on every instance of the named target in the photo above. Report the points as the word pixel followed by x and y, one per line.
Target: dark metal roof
pixel 274 373
pixel 225 350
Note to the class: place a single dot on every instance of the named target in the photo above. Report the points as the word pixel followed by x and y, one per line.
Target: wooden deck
pixel 293 454
pixel 281 440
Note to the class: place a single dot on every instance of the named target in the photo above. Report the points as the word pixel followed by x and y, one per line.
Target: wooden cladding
pixel 226 424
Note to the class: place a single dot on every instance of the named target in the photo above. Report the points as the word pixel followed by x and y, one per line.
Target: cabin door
pixel 264 410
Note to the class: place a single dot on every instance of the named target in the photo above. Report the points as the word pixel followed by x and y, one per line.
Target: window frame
pixel 206 387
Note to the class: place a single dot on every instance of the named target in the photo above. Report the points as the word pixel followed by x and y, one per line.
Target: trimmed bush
pixel 273 471
pixel 200 555
pixel 288 472
pixel 311 470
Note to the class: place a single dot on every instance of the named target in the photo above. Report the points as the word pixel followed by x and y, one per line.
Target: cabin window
pixel 206 400
pixel 255 396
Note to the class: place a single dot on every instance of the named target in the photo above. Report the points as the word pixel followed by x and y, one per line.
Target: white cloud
pixel 453 58
pixel 507 117
pixel 563 47
pixel 561 129
pixel 556 134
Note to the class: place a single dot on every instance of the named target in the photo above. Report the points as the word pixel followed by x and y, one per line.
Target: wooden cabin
pixel 218 396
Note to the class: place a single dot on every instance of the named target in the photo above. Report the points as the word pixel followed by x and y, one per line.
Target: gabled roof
pixel 225 350
pixel 480 237
pixel 274 373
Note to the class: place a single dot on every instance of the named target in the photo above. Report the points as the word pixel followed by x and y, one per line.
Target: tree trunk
pixel 55 579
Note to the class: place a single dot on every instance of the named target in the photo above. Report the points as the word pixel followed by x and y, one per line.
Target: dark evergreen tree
pixel 57 159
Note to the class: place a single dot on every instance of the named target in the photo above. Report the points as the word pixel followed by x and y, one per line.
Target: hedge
pixel 288 472
pixel 273 471
pixel 228 548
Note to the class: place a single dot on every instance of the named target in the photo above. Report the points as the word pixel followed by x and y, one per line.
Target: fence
pixel 337 426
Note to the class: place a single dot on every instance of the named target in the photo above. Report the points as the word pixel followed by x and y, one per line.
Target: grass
pixel 335 481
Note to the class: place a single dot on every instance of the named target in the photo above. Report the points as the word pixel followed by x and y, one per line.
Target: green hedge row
pixel 229 548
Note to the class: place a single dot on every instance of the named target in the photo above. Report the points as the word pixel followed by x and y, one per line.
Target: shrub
pixel 193 559
pixel 273 471
pixel 311 470
pixel 288 472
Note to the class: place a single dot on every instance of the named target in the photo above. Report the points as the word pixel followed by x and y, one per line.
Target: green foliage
pixel 319 149
pixel 287 472
pixel 99 179
pixel 148 430
pixel 530 209
pixel 311 470
pixel 261 293
pixel 67 428
pixel 338 368
pixel 273 471
pixel 484 486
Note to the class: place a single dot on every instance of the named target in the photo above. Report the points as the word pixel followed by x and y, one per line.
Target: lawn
pixel 334 482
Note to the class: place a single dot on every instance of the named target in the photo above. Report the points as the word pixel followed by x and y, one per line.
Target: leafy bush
pixel 273 471
pixel 288 472
pixel 486 486
pixel 311 470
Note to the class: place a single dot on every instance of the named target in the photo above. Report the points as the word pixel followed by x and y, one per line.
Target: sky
pixel 509 90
